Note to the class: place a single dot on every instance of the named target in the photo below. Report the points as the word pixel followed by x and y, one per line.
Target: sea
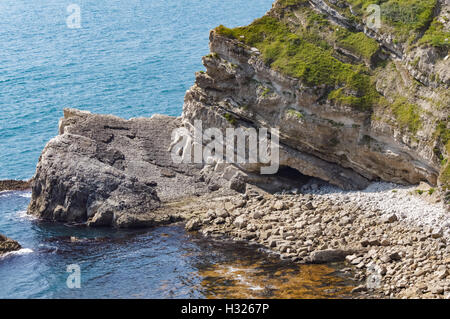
pixel 132 59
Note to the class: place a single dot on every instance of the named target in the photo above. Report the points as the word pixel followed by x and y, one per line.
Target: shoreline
pixel 391 239
pixel 390 253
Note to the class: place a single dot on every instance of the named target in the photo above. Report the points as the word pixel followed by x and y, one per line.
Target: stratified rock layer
pixel 108 171
pixel 344 145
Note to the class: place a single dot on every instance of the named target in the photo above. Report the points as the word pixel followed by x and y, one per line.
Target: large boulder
pixel 7 245
pixel 106 171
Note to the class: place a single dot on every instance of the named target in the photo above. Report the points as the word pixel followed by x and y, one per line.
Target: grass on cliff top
pixel 357 42
pixel 287 3
pixel 406 17
pixel 436 36
pixel 305 58
pixel 407 114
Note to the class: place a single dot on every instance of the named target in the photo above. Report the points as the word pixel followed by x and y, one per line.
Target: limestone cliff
pixel 352 104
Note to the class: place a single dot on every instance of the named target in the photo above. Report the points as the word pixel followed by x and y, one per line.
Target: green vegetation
pixel 295 113
pixel 286 3
pixel 445 177
pixel 303 57
pixel 443 135
pixel 334 142
pixel 436 36
pixel 431 191
pixel 265 92
pixel 213 55
pixel 230 118
pixel 357 42
pixel 407 114
pixel 406 17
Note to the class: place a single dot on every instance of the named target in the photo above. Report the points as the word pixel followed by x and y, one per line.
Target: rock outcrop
pixel 8 245
pixel 350 105
pixel 14 185
pixel 108 171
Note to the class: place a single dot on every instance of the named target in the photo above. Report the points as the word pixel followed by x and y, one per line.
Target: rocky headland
pixel 364 142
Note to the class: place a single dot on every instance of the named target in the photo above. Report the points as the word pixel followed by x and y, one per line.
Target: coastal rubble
pixel 402 257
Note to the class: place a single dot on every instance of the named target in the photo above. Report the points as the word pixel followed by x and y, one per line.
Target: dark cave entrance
pixel 286 179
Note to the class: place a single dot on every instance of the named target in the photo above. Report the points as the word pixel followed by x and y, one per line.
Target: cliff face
pixel 352 104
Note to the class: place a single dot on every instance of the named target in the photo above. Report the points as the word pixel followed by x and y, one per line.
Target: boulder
pixel 106 171
pixel 7 245
pixel 329 255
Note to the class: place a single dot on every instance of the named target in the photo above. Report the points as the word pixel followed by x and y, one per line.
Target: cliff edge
pixel 353 104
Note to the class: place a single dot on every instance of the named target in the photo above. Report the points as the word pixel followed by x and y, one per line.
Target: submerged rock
pixel 7 245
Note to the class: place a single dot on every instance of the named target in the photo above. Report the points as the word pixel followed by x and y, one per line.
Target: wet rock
pixel 360 288
pixel 10 185
pixel 7 245
pixel 193 224
pixel 330 255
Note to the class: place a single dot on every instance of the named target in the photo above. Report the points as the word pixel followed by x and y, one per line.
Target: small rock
pixel 395 256
pixel 279 205
pixel 240 222
pixel 437 233
pixel 193 225
pixel 238 184
pixel 390 218
pixel 272 243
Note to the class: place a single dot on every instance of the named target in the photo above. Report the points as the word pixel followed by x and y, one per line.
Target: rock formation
pixel 108 171
pixel 352 104
pixel 9 185
pixel 7 245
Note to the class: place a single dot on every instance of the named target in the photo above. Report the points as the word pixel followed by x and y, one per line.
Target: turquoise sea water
pixel 129 58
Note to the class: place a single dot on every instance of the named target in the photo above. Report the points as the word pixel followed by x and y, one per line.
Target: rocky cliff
pixel 353 104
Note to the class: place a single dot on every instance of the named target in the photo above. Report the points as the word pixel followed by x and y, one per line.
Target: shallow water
pixel 164 262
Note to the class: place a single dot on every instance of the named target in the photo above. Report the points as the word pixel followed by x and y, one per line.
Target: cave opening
pixel 286 179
